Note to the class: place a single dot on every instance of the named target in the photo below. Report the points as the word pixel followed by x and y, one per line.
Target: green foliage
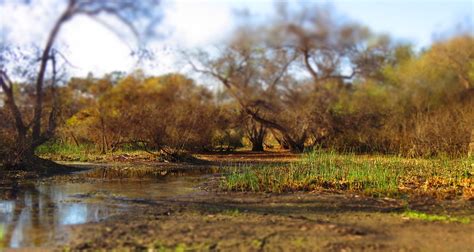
pixel 68 152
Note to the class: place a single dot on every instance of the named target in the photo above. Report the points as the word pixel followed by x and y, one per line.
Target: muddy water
pixel 37 214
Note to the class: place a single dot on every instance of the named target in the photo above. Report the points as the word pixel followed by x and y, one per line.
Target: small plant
pixel 181 247
pixel 2 236
pixel 256 243
pixel 231 212
pixel 432 217
pixel 299 242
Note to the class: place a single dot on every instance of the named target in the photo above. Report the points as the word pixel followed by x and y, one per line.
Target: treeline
pixel 167 113
pixel 303 80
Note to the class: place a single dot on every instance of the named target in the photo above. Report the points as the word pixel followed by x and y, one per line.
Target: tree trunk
pixel 295 147
pixel 283 144
pixel 256 133
pixel 296 144
pixel 45 56
pixel 257 145
pixel 471 145
pixel 74 138
pixel 103 139
pixel 23 154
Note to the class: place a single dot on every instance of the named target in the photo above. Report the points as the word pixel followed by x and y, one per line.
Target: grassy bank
pixel 385 175
pixel 89 153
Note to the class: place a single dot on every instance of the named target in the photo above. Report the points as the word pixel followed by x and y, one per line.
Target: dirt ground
pixel 249 157
pixel 317 221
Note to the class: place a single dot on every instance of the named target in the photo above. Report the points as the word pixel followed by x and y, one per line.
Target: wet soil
pixel 318 221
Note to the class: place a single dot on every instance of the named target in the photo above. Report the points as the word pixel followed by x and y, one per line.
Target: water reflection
pixel 36 214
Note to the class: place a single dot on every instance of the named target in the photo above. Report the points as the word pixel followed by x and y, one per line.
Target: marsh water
pixel 38 213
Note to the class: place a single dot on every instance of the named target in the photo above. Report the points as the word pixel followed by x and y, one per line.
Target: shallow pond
pixel 37 215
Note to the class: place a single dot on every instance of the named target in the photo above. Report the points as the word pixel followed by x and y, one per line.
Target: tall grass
pixel 67 152
pixel 372 174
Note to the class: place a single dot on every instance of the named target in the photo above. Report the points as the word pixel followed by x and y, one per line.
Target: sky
pixel 187 24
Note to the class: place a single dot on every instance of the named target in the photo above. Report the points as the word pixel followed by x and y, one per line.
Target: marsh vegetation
pixel 371 174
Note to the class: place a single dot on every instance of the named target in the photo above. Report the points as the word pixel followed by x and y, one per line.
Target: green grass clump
pixel 88 153
pixel 65 149
pixel 432 217
pixel 316 169
pixel 387 175
pixel 231 212
pixel 66 152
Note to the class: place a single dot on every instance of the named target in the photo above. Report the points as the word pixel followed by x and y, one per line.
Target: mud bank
pixel 319 221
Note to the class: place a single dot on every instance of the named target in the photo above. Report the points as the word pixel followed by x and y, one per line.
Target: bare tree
pixel 32 134
pixel 330 49
pixel 265 70
pixel 334 54
pixel 257 75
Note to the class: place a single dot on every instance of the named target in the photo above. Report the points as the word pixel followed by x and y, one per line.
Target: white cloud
pixel 94 48
pixel 26 24
pixel 197 23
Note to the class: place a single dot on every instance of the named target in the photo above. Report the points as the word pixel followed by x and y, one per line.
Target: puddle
pixel 37 215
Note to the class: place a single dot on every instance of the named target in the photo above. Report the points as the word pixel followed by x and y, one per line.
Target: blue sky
pixel 197 23
pixel 417 21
